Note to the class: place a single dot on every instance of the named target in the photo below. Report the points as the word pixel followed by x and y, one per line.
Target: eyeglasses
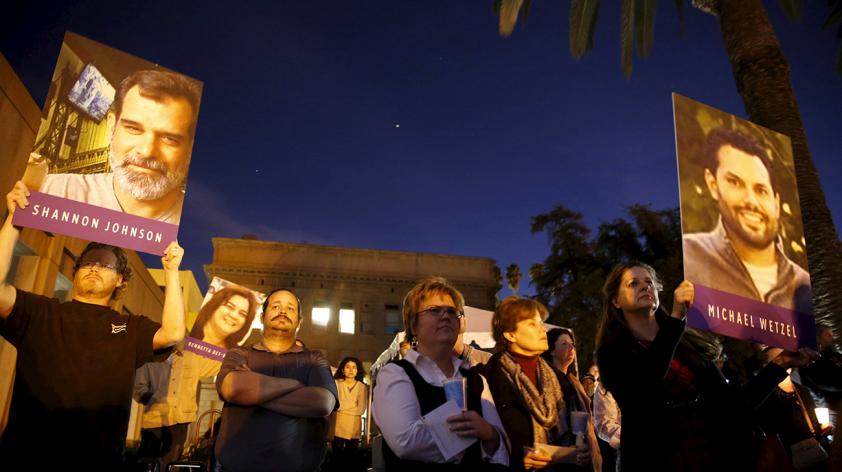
pixel 441 311
pixel 565 345
pixel 99 265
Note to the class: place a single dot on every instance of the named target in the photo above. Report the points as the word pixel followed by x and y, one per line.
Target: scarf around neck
pixel 543 404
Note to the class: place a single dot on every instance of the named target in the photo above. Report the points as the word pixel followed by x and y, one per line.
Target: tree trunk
pixel 762 75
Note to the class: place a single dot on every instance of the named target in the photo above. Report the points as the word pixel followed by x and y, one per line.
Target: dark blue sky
pixel 414 126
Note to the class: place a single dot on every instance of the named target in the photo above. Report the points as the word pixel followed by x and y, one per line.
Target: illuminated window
pixel 346 319
pixel 393 320
pixel 321 314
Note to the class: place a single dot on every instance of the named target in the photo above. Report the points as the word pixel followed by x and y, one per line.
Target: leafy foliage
pixel 569 281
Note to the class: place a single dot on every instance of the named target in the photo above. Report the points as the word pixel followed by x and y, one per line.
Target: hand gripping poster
pixel 225 320
pixel 743 238
pixel 112 152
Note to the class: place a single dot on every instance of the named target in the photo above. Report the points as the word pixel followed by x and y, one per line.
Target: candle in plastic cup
pixel 579 421
pixel 36 171
pixel 454 389
pixel 823 416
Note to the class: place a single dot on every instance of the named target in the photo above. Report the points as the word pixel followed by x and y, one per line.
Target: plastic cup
pixel 579 422
pixel 455 389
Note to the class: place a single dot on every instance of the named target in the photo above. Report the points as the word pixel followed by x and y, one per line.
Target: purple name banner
pixel 205 349
pixel 85 221
pixel 750 320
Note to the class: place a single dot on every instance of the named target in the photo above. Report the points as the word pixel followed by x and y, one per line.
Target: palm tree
pixel 513 276
pixel 761 73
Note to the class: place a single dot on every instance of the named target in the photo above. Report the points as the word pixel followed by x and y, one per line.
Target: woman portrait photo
pixel 225 320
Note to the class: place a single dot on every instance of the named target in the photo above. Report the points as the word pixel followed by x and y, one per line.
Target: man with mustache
pixel 278 395
pixel 76 359
pixel 743 254
pixel 152 123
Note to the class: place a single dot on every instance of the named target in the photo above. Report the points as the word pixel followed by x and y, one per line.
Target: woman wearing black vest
pixel 408 389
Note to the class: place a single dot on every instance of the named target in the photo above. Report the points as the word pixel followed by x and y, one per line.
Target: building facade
pixel 351 298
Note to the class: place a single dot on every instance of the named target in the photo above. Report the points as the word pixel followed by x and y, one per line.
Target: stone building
pixel 351 298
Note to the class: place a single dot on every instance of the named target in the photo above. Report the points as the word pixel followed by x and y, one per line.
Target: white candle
pixel 823 416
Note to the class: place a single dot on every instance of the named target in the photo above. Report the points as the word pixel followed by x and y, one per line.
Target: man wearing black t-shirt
pixel 76 360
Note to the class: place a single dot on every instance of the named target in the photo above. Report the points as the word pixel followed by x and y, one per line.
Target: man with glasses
pixel 76 360
pixel 278 395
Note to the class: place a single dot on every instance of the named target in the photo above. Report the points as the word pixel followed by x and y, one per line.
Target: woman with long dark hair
pixel 226 318
pixel 679 413
pixel 353 400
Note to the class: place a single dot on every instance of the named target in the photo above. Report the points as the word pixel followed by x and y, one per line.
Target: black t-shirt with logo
pixel 73 380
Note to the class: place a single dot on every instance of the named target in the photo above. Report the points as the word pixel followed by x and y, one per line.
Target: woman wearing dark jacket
pixel 526 390
pixel 679 413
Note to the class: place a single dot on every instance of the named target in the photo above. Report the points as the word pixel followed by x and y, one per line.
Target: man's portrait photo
pixel 740 214
pixel 117 132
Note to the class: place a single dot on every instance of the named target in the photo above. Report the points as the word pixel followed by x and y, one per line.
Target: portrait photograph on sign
pixel 228 314
pixel 112 152
pixel 742 233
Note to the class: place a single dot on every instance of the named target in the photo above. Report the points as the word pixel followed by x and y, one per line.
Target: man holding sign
pixel 76 360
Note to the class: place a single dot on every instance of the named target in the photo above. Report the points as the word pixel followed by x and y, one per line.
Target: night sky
pixel 414 126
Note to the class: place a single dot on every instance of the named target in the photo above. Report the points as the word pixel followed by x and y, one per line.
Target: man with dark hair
pixel 152 123
pixel 76 360
pixel 743 254
pixel 278 395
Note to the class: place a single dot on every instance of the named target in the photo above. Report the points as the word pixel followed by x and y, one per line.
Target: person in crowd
pixel 590 379
pixel 526 388
pixel 789 414
pixel 353 401
pixel 76 360
pixel 824 379
pixel 678 411
pixel 561 355
pixel 412 387
pixel 606 418
pixel 278 395
pixel 168 390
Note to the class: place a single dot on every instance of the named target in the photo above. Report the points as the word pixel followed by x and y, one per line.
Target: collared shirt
pixel 398 413
pixel 606 416
pixel 711 261
pixel 97 189
pixel 173 385
pixel 352 404
pixel 255 439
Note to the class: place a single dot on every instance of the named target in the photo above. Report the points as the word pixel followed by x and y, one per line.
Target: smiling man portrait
pixel 152 124
pixel 743 254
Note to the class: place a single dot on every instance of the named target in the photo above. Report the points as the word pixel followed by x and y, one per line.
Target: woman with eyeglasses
pixel 679 412
pixel 526 389
pixel 409 389
pixel 561 354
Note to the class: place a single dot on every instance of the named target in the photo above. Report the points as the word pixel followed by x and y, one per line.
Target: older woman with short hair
pixel 525 386
pixel 412 387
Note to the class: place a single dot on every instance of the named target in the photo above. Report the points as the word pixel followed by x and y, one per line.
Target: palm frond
pixel 509 10
pixel 679 10
pixel 583 14
pixel 835 15
pixel 626 37
pixel 644 25
pixel 524 12
pixel 792 8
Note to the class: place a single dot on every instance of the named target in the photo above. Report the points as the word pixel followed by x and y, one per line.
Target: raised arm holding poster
pixel 111 155
pixel 168 389
pixel 743 240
